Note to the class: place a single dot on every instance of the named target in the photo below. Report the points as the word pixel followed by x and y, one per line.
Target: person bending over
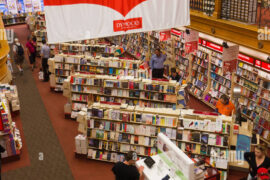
pixel 157 64
pixel 127 170
pixel 225 106
pixel 257 160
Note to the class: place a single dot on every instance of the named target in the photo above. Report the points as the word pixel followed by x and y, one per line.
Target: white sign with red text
pixel 72 20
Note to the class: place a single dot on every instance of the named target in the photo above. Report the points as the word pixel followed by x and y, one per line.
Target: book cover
pixel 204 138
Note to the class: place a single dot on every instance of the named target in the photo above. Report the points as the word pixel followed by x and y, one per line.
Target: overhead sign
pixel 265 66
pixel 176 32
pixel 71 20
pixel 164 35
pixel 229 57
pixel 191 41
pixel 246 59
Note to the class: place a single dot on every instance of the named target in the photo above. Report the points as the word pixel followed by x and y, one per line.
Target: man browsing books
pixel 225 106
pixel 127 170
pixel 157 64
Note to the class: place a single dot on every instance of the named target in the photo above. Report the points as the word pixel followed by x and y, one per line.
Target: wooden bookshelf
pixel 135 91
pixel 253 79
pixel 63 65
pixel 139 129
pixel 197 136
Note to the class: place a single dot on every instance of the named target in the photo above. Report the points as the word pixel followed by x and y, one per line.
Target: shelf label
pixel 176 32
pixel 214 46
pixel 200 41
pixel 265 66
pixel 258 63
pixel 246 58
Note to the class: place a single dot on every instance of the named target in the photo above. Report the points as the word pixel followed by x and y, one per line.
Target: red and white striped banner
pixel 70 20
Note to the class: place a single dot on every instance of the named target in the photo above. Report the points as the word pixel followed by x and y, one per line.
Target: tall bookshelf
pixel 143 45
pixel 61 67
pixel 253 78
pixel 86 89
pixel 206 137
pixel 182 61
pixel 115 129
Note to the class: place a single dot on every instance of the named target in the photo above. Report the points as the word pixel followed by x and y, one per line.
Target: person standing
pixel 225 106
pixel 157 64
pixel 18 52
pixel 127 170
pixel 31 52
pixel 257 160
pixel 45 55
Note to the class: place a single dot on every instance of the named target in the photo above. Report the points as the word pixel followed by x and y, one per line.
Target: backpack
pixel 20 50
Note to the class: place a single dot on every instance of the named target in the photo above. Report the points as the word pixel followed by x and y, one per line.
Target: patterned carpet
pixel 47 160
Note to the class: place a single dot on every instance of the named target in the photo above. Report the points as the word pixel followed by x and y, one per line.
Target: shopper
pixel 31 52
pixel 34 38
pixel 18 52
pixel 257 160
pixel 225 106
pixel 127 170
pixel 174 75
pixel 45 55
pixel 157 64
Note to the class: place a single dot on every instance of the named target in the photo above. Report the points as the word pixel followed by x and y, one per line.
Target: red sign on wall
pixel 246 58
pixel 176 32
pixel 258 63
pixel 165 36
pixel 265 66
pixel 214 46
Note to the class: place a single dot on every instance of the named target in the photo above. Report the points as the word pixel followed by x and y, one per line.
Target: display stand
pixel 10 135
pixel 84 89
pixel 62 66
pixel 110 130
pixel 206 135
pixel 170 161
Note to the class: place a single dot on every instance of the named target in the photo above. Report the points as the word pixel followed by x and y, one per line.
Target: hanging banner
pixel 88 19
pixel 229 57
pixel 36 5
pixel 28 6
pixel 191 41
pixel 12 6
pixel 165 35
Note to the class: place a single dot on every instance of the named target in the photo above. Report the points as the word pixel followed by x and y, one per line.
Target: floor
pixel 47 132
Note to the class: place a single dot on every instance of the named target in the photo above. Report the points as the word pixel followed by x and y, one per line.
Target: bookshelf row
pixel 14 19
pixel 112 130
pixel 85 89
pixel 62 66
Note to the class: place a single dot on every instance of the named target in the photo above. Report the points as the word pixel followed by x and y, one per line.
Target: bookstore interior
pixel 130 91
